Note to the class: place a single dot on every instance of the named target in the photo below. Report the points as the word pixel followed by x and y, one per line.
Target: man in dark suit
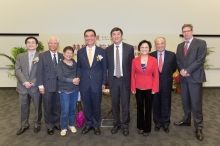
pixel 25 71
pixel 190 56
pixel 48 84
pixel 162 99
pixel 91 66
pixel 119 62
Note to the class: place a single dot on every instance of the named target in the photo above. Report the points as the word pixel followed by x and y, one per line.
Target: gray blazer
pixel 127 56
pixel 46 74
pixel 22 73
pixel 194 60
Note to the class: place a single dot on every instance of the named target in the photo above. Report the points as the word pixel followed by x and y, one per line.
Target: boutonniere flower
pixel 35 59
pixel 99 57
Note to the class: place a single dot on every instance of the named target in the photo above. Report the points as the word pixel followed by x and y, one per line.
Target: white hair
pixel 53 37
pixel 158 38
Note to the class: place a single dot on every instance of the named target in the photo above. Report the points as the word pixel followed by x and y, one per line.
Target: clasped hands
pixel 182 72
pixel 76 81
pixel 29 84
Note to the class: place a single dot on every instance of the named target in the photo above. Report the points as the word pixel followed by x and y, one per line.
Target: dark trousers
pixel 119 94
pixel 92 107
pixel 144 109
pixel 192 101
pixel 52 111
pixel 162 108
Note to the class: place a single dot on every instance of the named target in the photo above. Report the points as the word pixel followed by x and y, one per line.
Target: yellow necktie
pixel 90 57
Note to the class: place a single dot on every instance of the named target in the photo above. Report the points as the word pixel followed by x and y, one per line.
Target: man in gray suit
pixel 25 71
pixel 119 59
pixel 48 85
pixel 190 56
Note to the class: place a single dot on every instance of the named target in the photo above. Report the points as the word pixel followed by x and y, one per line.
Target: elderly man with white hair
pixel 48 84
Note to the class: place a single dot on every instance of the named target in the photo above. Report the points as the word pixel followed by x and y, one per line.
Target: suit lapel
pixel 49 60
pixel 191 46
pixel 85 57
pixel 26 62
pixel 123 55
pixel 94 57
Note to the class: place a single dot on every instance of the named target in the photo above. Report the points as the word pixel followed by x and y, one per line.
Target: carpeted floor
pixel 178 136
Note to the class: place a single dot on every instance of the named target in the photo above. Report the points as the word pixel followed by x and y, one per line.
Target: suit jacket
pixel 22 73
pixel 94 76
pixel 169 67
pixel 47 74
pixel 193 62
pixel 127 56
pixel 149 79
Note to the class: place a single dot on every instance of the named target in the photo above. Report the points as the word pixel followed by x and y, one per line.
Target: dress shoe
pixel 199 134
pixel 140 131
pixel 115 129
pixel 125 131
pixel 97 131
pixel 145 134
pixel 166 129
pixel 181 123
pixel 86 130
pixel 157 127
pixel 57 127
pixel 37 129
pixel 21 130
pixel 50 131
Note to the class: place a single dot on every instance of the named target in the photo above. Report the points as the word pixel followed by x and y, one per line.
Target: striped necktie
pixel 117 68
pixel 54 61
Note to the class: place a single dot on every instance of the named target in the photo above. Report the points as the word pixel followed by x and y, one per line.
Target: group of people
pixel 57 79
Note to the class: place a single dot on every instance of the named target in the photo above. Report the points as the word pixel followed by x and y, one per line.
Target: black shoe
pixel 157 127
pixel 181 123
pixel 166 129
pixel 125 131
pixel 37 129
pixel 145 134
pixel 97 131
pixel 86 130
pixel 199 134
pixel 140 131
pixel 57 127
pixel 50 131
pixel 21 130
pixel 115 129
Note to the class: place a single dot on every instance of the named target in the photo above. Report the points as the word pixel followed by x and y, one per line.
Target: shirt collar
pixel 120 45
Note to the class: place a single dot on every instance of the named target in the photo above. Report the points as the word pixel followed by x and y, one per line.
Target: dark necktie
pixel 117 68
pixel 54 61
pixel 186 47
pixel 160 62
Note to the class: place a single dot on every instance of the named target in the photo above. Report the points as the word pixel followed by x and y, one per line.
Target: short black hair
pixel 68 48
pixel 87 30
pixel 116 29
pixel 145 41
pixel 31 37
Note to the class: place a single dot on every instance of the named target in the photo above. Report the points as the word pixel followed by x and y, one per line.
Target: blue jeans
pixel 68 108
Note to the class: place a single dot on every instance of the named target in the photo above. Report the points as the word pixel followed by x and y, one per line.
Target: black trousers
pixel 144 109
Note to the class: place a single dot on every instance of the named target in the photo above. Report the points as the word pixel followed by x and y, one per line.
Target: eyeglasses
pixel 187 31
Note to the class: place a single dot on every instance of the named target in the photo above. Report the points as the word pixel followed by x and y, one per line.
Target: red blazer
pixel 149 79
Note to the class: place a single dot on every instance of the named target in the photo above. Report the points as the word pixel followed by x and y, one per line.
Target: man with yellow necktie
pixel 91 67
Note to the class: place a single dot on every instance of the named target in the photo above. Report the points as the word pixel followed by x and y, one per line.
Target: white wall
pixel 138 17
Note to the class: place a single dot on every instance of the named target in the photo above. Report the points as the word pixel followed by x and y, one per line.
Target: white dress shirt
pixel 120 57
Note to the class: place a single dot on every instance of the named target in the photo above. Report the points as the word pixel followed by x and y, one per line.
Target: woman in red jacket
pixel 144 83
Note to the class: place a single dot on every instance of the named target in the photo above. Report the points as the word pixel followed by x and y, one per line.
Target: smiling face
pixel 144 49
pixel 116 37
pixel 31 44
pixel 53 44
pixel 187 33
pixel 160 44
pixel 90 38
pixel 68 54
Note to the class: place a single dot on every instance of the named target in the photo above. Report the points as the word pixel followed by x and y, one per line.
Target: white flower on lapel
pixel 35 59
pixel 99 57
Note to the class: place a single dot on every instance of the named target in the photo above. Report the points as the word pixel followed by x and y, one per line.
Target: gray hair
pixel 158 38
pixel 54 38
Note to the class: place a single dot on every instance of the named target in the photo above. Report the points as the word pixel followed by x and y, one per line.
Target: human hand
pixel 103 87
pixel 32 84
pixel 42 90
pixel 27 84
pixel 153 92
pixel 182 72
pixel 133 92
pixel 76 81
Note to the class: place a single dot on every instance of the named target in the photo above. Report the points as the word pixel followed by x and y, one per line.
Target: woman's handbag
pixel 80 119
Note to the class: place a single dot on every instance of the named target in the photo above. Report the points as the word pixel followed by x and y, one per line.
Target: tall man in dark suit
pixel 25 71
pixel 48 84
pixel 119 61
pixel 162 99
pixel 91 65
pixel 190 56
